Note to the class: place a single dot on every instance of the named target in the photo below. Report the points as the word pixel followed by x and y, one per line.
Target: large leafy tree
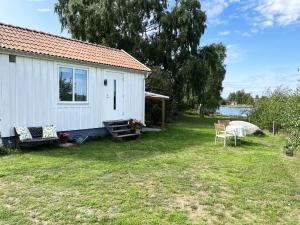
pixel 214 57
pixel 176 46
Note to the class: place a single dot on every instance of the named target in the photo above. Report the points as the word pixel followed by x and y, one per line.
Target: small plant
pixel 288 150
pixel 64 137
pixel 5 150
pixel 136 124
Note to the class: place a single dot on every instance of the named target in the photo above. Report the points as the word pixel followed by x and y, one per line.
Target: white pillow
pixel 49 132
pixel 24 133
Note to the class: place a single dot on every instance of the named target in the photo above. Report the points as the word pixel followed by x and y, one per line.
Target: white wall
pixel 29 96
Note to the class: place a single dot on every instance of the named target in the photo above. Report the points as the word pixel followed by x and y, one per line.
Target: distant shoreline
pixel 237 106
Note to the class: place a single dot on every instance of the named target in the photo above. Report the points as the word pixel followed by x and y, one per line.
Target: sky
pixel 262 37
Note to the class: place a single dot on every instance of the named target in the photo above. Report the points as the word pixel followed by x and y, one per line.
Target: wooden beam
pixel 163 113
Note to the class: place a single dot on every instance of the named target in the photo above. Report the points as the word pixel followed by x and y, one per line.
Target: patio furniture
pixel 221 132
pixel 36 138
pixel 239 130
pixel 224 122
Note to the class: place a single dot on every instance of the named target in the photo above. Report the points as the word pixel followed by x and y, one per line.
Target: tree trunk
pixel 201 110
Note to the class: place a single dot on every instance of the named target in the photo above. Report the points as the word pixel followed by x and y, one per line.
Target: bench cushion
pixel 36 132
pixel 49 132
pixel 23 133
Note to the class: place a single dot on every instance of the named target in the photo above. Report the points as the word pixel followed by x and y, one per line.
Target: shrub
pixel 5 150
pixel 281 106
pixel 291 119
pixel 270 108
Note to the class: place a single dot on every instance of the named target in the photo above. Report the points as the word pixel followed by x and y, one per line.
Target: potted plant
pixel 288 150
pixel 136 125
pixel 64 137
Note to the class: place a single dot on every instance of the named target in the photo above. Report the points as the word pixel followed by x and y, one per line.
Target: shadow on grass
pixel 150 144
pixel 190 132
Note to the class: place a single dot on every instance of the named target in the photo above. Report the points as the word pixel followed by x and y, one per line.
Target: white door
pixel 114 96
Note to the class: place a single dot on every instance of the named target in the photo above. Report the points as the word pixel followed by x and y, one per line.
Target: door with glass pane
pixel 114 96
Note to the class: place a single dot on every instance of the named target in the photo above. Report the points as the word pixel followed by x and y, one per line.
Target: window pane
pixel 65 84
pixel 80 85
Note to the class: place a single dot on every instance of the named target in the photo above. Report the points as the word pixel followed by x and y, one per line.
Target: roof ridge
pixel 58 36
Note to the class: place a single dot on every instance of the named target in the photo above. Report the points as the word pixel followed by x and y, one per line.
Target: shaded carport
pixel 158 98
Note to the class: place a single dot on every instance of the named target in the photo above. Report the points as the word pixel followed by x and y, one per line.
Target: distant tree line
pixel 167 39
pixel 241 97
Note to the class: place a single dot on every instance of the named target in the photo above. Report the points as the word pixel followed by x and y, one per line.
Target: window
pixel 80 86
pixel 65 84
pixel 72 85
pixel 115 94
pixel 12 58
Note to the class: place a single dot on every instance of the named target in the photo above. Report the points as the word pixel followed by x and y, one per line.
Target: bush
pixel 270 108
pixel 291 119
pixel 281 106
pixel 5 150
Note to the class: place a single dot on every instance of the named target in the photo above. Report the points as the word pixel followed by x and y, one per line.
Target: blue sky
pixel 262 37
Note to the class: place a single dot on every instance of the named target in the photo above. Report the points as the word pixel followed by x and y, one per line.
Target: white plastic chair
pixel 222 133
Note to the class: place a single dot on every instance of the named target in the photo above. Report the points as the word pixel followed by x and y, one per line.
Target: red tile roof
pixel 21 39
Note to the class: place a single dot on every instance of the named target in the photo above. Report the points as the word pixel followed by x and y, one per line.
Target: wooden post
pixel 163 108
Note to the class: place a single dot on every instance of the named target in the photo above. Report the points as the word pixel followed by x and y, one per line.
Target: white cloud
pixel 279 12
pixel 235 54
pixel 246 34
pixel 44 10
pixel 259 83
pixel 263 14
pixel 224 33
pixel 214 8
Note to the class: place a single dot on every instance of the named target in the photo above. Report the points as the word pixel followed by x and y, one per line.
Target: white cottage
pixel 76 86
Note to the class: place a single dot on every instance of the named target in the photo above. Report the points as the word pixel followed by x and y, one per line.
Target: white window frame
pixel 73 85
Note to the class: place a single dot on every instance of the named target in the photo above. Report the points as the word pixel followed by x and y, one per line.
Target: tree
pixel 241 97
pixel 178 43
pixel 214 55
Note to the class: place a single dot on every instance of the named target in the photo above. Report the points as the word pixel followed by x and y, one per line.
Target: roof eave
pixel 16 51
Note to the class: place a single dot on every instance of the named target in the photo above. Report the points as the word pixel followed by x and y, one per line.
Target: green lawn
pixel 173 177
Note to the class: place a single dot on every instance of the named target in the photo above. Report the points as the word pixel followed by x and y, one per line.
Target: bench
pixel 37 138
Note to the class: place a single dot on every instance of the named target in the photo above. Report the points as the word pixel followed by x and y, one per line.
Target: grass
pixel 173 177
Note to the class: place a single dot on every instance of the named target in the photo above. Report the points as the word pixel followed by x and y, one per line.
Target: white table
pixel 239 131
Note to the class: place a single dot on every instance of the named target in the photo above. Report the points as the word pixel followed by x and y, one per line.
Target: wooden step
pixel 115 122
pixel 127 135
pixel 116 126
pixel 119 131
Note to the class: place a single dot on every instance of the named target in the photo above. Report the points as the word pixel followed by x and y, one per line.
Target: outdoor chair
pixel 224 122
pixel 222 133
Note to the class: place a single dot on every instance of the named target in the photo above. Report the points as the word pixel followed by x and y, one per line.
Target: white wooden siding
pixel 29 96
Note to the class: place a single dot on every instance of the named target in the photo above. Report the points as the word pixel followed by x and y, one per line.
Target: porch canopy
pixel 162 98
